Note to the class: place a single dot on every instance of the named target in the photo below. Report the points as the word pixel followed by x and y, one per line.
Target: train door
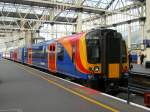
pixel 29 56
pixel 22 55
pixel 16 55
pixel 52 57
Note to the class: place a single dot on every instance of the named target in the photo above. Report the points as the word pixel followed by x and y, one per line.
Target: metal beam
pixel 28 23
pixel 57 5
pixel 121 10
pixel 33 16
pixel 50 4
pixel 126 22
pixel 109 5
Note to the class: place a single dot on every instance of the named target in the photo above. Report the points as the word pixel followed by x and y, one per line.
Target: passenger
pixel 142 58
pixel 130 60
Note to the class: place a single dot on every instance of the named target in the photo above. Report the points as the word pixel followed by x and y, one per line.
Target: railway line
pixel 137 83
pixel 135 88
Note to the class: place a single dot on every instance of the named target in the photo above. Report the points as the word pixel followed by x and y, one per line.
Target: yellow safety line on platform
pixel 71 91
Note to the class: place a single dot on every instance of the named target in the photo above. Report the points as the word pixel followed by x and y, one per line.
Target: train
pixel 98 57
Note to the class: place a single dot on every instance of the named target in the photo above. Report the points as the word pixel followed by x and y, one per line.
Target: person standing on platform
pixel 130 60
pixel 142 58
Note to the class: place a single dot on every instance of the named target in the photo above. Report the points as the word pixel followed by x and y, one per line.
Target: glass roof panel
pixel 65 1
pixel 97 3
pixel 119 4
pixel 71 14
pixel 104 3
pixel 91 3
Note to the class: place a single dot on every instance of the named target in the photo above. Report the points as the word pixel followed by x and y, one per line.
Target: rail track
pixel 138 83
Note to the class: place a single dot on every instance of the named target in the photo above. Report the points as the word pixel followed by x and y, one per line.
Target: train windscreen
pixel 93 47
pixel 124 52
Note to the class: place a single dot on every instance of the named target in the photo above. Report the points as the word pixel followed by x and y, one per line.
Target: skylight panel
pixel 90 3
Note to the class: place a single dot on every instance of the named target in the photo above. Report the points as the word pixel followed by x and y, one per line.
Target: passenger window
pixel 60 52
pixel 25 53
pixel 44 52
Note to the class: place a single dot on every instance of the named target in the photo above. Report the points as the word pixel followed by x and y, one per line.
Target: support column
pixel 129 36
pixel 28 38
pixel 51 18
pixel 147 19
pixel 79 22
pixel 15 36
pixel 147 51
pixel 79 19
pixel 52 30
pixel 142 31
pixel 22 38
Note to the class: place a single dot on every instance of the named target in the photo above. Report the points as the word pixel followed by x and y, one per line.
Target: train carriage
pixel 20 55
pixel 99 55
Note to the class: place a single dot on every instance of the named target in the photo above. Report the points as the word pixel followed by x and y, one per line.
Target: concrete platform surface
pixel 24 89
pixel 140 69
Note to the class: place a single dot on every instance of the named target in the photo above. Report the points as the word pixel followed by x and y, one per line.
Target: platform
pixel 24 89
pixel 140 69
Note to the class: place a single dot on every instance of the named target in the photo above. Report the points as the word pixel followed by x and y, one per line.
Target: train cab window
pixel 60 52
pixel 93 47
pixel 124 52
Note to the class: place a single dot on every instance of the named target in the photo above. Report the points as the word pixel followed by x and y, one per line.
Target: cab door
pixel 52 57
pixel 111 56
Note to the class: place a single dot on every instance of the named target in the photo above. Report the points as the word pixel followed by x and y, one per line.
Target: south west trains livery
pixel 98 57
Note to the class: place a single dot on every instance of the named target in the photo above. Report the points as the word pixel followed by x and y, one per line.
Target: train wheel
pixel 111 87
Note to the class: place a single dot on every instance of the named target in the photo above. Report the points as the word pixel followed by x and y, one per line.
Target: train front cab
pixel 104 47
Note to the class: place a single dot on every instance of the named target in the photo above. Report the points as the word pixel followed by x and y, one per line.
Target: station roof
pixel 30 14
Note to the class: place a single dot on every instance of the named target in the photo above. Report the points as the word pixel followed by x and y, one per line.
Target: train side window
pixel 25 53
pixel 44 52
pixel 124 52
pixel 60 52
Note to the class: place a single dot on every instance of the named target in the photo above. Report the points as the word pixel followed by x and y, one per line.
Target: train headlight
pixel 96 69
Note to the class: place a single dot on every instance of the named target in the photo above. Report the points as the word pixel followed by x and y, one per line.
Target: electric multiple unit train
pixel 98 57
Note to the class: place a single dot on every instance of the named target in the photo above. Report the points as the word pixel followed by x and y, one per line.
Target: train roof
pixel 44 42
pixel 101 29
